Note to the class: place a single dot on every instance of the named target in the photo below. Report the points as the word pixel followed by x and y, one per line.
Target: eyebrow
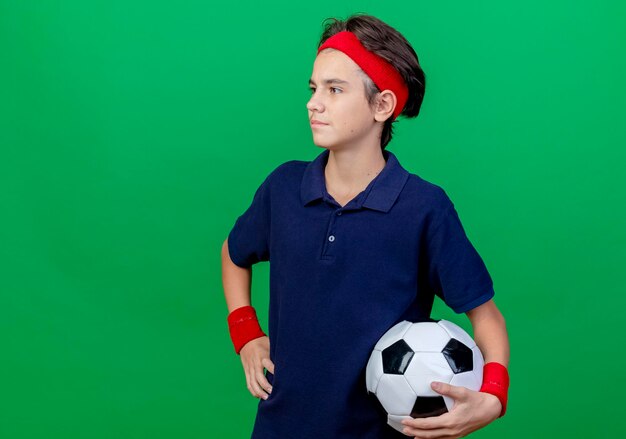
pixel 330 81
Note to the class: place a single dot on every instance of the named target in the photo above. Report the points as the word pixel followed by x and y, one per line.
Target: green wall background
pixel 132 135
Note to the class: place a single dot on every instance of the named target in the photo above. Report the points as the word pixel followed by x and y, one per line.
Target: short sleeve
pixel 248 241
pixel 456 272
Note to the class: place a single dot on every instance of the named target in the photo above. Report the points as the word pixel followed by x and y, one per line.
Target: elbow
pixel 500 316
pixel 226 258
pixel 502 322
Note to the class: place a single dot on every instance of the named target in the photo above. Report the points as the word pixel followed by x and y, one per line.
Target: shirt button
pixel 338 213
pixel 331 238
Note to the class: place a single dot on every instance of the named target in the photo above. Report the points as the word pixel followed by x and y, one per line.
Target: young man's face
pixel 342 106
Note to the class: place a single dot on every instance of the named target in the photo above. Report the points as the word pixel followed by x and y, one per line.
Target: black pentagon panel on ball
pixel 396 358
pixel 426 406
pixel 459 357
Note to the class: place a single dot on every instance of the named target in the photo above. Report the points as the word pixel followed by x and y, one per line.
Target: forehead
pixel 331 63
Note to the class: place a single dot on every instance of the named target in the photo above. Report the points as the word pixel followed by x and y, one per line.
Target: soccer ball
pixel 409 356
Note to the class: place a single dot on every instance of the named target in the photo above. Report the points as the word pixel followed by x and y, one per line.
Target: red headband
pixel 384 75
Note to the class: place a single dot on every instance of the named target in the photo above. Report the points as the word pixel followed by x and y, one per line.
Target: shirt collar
pixel 380 194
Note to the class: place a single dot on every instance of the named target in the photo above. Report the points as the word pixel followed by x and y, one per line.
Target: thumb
pixel 455 392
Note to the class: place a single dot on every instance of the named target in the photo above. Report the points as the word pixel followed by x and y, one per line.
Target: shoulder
pixel 290 167
pixel 427 195
pixel 284 172
pixel 287 174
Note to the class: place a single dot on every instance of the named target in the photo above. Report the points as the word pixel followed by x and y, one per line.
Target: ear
pixel 385 104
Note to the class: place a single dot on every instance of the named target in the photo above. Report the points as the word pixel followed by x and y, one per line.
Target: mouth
pixel 317 123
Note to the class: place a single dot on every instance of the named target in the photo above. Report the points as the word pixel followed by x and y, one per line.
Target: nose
pixel 314 104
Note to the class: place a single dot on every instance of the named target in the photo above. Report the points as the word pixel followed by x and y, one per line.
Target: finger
pixel 260 393
pixel 455 392
pixel 439 433
pixel 262 380
pixel 267 363
pixel 430 423
pixel 248 381
pixel 254 380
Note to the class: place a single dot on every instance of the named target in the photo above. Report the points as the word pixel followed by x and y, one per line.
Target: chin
pixel 322 143
pixel 326 146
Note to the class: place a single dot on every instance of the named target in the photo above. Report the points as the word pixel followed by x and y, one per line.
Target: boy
pixel 356 245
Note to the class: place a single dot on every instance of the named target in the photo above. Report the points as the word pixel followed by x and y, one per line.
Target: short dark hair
pixel 385 41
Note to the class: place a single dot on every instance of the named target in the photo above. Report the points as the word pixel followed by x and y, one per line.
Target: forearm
pixel 236 282
pixel 490 333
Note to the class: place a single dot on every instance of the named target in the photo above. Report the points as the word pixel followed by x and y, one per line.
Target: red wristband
pixel 244 326
pixel 496 382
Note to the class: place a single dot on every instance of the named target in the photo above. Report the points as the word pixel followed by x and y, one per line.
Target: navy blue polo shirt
pixel 339 278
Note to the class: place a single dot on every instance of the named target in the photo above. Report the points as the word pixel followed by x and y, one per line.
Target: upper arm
pixel 249 240
pixel 455 271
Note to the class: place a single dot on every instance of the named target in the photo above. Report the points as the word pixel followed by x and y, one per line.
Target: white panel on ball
pixel 426 337
pixel 457 332
pixel 374 370
pixel 395 394
pixel 392 335
pixel 466 379
pixel 424 368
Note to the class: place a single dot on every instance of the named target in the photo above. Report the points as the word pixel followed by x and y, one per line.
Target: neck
pixel 349 171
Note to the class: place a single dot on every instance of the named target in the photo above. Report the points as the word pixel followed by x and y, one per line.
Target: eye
pixel 333 90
